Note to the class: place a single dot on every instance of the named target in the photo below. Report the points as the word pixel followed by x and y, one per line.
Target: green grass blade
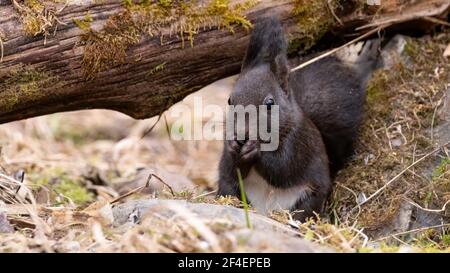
pixel 243 198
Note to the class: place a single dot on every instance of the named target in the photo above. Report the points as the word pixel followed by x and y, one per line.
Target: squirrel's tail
pixel 362 57
pixel 266 43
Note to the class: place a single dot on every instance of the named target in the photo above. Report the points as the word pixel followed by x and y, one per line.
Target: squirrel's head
pixel 263 81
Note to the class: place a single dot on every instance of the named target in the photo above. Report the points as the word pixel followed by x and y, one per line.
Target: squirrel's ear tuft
pixel 267 42
pixel 280 68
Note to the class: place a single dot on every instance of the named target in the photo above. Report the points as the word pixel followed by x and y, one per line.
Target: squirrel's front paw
pixel 233 147
pixel 250 151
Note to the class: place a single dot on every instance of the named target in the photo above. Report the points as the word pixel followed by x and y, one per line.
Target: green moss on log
pixel 314 19
pixel 107 48
pixel 157 69
pixel 23 83
pixel 85 23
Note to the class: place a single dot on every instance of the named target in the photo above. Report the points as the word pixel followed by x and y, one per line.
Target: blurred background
pixel 109 147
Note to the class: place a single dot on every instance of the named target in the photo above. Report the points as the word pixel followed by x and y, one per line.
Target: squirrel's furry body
pixel 332 96
pixel 320 109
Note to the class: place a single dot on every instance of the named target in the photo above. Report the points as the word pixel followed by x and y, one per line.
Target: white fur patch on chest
pixel 266 198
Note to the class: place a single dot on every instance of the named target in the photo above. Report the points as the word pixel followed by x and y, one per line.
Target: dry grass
pixel 56 209
pixel 401 114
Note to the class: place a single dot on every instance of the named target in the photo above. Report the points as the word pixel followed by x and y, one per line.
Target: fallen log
pixel 139 58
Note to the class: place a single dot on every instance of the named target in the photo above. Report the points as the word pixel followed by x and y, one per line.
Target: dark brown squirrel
pixel 320 109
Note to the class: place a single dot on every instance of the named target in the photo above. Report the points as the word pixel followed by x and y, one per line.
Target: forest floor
pixel 392 196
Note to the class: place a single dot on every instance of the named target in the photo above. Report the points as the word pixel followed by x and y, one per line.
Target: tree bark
pixel 153 75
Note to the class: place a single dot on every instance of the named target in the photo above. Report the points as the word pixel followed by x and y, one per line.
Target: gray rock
pixel 426 219
pixel 271 241
pixel 393 52
pixel 265 232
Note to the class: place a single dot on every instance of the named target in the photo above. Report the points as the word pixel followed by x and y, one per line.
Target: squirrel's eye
pixel 229 101
pixel 269 102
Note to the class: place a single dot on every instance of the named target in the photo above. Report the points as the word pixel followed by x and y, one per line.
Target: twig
pixel 411 231
pixel 151 128
pixel 361 233
pixel 19 7
pixel 429 210
pixel 10 179
pixel 13 194
pixel 333 13
pixel 159 117
pixel 22 177
pixel 400 174
pixel 162 181
pixel 167 126
pixel 117 199
pixel 204 194
pixel 313 60
pixel 409 16
pixel 436 20
pixel 401 241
